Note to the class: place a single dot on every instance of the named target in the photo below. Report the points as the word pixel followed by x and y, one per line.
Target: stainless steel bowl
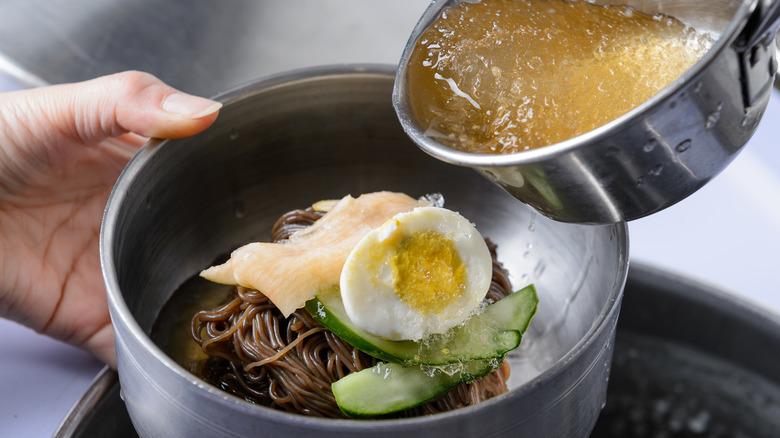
pixel 285 142
pixel 658 153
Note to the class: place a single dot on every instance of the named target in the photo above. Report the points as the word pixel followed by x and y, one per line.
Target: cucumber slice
pixel 390 387
pixel 515 311
pixel 490 334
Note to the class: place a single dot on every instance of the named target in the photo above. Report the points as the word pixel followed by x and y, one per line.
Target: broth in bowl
pixel 505 76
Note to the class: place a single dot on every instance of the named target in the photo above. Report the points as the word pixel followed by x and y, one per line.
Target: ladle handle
pixel 758 61
pixel 766 20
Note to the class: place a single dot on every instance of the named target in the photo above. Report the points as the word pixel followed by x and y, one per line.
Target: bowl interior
pixel 285 143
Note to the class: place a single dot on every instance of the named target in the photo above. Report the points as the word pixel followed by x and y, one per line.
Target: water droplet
pixel 661 406
pixel 238 209
pixel 539 269
pixel 640 180
pixel 656 170
pixel 532 224
pixel 697 87
pixel 751 119
pixel 527 254
pixel 233 133
pixel 673 105
pixel 650 145
pixel 683 146
pixel 436 199
pixel 713 117
pixel 525 278
pixel 677 420
pixel 698 423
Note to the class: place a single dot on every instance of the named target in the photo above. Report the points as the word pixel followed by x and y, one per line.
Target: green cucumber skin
pixel 362 341
pixel 488 335
pixel 516 317
pixel 392 387
pixel 389 387
pixel 409 352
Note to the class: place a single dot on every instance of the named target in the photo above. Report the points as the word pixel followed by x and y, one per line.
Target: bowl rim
pixel 122 315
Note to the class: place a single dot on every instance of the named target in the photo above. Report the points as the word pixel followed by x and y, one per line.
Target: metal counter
pixel 199 46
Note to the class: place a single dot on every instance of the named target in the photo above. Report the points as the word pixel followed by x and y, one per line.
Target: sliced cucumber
pixel 488 335
pixel 515 311
pixel 391 387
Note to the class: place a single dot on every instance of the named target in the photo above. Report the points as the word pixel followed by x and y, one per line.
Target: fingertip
pixel 185 126
pixel 190 106
pixel 151 108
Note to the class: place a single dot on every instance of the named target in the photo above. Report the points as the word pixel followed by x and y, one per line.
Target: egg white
pixel 367 283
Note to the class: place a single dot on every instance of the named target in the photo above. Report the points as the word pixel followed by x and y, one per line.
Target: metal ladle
pixel 658 153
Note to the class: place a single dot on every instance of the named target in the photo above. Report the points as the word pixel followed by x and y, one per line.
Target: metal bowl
pixel 691 360
pixel 288 141
pixel 656 154
pixel 681 376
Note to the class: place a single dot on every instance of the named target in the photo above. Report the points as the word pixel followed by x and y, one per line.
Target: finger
pixel 133 139
pixel 127 102
pixel 150 108
pixel 101 344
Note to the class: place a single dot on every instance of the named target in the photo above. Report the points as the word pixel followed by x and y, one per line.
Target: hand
pixel 61 150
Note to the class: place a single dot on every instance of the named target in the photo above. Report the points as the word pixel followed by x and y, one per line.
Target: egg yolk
pixel 428 274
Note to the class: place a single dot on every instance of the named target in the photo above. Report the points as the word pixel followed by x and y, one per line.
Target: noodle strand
pixel 290 363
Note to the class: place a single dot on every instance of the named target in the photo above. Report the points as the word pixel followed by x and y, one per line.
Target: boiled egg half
pixel 420 273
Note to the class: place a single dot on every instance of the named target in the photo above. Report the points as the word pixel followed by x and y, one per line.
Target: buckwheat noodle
pixel 290 363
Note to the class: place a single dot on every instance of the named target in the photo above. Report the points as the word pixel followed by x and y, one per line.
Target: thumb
pixel 131 101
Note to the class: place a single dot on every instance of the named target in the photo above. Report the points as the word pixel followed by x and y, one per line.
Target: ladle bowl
pixel 656 154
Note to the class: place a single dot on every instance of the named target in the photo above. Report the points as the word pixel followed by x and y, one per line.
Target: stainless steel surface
pixel 777 56
pixel 653 156
pixel 200 46
pixel 686 377
pixel 707 368
pixel 288 141
pixel 88 404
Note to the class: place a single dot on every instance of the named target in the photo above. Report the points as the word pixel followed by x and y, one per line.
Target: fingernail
pixel 190 106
